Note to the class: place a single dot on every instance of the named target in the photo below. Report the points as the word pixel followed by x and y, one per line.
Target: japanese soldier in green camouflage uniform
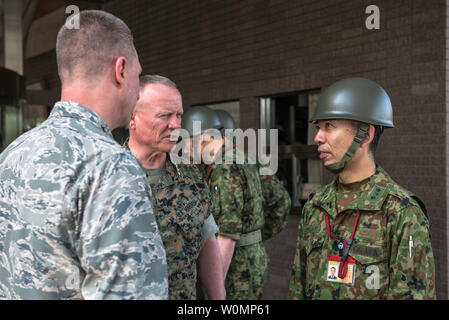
pixel 276 200
pixel 371 230
pixel 237 196
pixel 182 201
pixel 76 217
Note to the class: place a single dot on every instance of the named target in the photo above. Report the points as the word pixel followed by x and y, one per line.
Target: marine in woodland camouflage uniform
pixel 76 216
pixel 182 205
pixel 237 196
pixel 372 223
pixel 182 200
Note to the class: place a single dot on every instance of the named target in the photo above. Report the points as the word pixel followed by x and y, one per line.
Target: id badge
pixel 333 265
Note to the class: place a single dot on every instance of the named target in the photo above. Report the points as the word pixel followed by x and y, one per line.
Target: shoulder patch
pixel 421 204
pixel 409 199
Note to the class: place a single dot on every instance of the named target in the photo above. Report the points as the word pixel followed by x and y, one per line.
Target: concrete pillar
pixel 12 116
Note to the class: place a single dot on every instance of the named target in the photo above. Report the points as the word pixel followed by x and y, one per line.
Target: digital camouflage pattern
pixel 276 205
pixel 76 219
pixel 237 196
pixel 182 204
pixel 384 269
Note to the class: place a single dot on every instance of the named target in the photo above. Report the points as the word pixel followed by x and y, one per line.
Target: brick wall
pixel 220 50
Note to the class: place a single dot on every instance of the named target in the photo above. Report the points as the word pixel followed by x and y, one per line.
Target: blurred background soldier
pixel 276 200
pixel 182 200
pixel 76 219
pixel 237 196
pixel 372 229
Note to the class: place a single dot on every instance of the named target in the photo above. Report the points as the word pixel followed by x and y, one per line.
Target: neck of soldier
pixel 212 149
pixel 94 96
pixel 149 159
pixel 358 168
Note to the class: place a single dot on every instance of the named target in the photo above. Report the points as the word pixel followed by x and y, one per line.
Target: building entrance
pixel 299 166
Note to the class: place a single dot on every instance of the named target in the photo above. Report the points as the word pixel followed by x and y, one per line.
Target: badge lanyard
pixel 343 246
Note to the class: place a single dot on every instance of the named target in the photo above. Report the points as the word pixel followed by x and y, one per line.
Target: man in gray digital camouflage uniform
pixel 76 215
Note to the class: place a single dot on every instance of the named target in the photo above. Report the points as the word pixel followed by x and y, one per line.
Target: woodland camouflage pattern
pixel 276 205
pixel 182 203
pixel 390 215
pixel 237 197
pixel 76 219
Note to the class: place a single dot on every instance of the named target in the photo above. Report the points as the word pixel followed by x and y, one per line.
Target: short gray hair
pixel 156 79
pixel 91 49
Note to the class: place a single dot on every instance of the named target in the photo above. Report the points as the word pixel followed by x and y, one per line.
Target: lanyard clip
pixel 346 248
pixel 343 247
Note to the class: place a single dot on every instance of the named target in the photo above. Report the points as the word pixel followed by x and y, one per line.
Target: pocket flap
pixel 313 242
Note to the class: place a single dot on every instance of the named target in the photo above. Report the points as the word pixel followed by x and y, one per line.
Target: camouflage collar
pixel 235 156
pixel 72 109
pixel 168 175
pixel 171 170
pixel 371 197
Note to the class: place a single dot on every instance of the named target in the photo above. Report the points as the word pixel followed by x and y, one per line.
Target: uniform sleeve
pixel 298 276
pixel 277 204
pixel 120 249
pixel 227 192
pixel 210 228
pixel 411 277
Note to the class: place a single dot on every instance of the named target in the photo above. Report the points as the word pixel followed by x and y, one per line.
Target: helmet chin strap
pixel 339 166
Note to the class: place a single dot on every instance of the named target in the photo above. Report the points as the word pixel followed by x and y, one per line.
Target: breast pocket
pixel 190 220
pixel 313 244
pixel 372 267
pixel 313 253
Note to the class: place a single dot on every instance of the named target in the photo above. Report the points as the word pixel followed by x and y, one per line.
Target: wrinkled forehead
pixel 155 98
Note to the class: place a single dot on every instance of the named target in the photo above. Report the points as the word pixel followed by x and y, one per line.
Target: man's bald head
pixel 152 79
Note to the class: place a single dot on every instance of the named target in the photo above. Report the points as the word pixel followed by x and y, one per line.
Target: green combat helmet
pixel 208 118
pixel 357 99
pixel 226 120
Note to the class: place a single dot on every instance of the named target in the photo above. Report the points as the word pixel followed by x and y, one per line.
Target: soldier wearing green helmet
pixel 276 200
pixel 237 197
pixel 371 230
pixel 226 120
pixel 206 119
pixel 181 199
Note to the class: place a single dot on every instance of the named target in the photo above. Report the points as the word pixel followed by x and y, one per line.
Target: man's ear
pixel 132 122
pixel 369 136
pixel 120 65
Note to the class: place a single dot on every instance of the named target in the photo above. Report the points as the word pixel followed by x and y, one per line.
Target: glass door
pixel 299 167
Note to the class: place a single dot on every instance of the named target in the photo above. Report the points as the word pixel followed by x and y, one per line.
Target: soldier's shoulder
pixel 192 170
pixel 191 174
pixel 225 171
pixel 396 192
pixel 405 197
pixel 406 204
pixel 315 198
pixel 319 192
